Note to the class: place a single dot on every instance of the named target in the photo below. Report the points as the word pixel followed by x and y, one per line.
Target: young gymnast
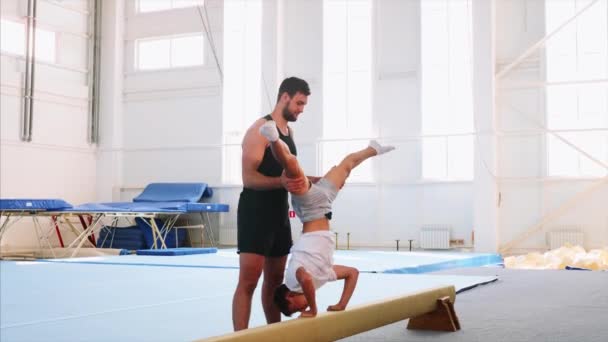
pixel 311 263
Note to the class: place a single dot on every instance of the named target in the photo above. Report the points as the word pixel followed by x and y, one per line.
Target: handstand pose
pixel 311 264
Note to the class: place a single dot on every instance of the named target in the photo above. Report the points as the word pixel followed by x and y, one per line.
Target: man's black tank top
pixel 270 166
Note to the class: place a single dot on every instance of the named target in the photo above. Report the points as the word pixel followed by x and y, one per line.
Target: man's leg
pixel 274 270
pixel 250 269
pixel 340 173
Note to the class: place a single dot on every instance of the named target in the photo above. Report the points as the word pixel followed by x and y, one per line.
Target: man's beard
pixel 289 116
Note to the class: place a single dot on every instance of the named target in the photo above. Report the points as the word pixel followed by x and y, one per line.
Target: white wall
pixel 58 162
pixel 171 120
pixel 529 201
pixel 167 126
pixel 399 203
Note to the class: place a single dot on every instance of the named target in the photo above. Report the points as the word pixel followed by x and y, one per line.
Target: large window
pixel 347 81
pixel 447 97
pixel 12 40
pixel 577 94
pixel 12 37
pixel 242 79
pixel 144 6
pixel 169 52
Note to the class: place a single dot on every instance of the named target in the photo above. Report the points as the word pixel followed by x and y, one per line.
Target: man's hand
pixel 294 185
pixel 336 307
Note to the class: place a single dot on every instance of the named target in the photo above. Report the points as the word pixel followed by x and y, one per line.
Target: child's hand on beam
pixel 308 313
pixel 336 307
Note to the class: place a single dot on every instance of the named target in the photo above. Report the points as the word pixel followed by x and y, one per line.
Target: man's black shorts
pixel 263 223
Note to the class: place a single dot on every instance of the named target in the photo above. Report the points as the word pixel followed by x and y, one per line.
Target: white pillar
pixel 271 57
pixel 109 164
pixel 302 56
pixel 485 189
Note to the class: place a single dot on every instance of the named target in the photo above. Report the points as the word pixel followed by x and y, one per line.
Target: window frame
pixel 442 131
pixel 136 52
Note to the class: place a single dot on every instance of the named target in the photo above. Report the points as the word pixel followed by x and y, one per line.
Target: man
pixel 264 231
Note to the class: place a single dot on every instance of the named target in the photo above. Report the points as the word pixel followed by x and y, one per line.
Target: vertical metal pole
pixel 336 239
pixel 30 58
pixel 94 70
pixel 397 244
pixel 348 241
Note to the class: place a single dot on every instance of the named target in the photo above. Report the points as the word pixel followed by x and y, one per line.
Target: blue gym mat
pixel 365 261
pixel 176 251
pixel 78 301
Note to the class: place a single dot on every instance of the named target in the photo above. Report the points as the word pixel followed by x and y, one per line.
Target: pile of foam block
pixel 565 257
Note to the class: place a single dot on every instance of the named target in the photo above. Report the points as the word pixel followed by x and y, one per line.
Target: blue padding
pixel 144 207
pixel 33 204
pixel 574 268
pixel 130 238
pixel 207 207
pixel 174 192
pixel 176 251
pixel 482 260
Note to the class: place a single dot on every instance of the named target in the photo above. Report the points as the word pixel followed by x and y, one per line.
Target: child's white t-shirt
pixel 315 252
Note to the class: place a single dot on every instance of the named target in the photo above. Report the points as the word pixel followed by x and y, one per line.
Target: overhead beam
pixel 331 326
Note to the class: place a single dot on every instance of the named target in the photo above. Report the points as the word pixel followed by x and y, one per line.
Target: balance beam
pixel 426 308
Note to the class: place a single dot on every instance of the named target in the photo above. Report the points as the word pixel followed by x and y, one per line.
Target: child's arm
pixel 350 276
pixel 308 287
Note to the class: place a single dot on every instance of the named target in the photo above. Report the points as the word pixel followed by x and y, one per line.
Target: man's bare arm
pixel 254 145
pixel 350 276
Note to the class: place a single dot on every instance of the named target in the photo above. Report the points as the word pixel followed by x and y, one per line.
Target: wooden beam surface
pixel 331 326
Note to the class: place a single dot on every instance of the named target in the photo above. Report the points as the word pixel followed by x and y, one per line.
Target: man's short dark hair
pixel 280 299
pixel 293 85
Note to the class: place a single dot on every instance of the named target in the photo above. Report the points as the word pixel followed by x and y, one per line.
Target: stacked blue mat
pixel 138 237
pixel 131 238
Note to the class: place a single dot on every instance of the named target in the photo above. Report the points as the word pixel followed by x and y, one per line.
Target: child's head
pixel 289 301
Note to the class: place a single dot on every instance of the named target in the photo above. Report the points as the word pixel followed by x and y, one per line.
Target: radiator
pixel 435 237
pixel 558 238
pixel 228 237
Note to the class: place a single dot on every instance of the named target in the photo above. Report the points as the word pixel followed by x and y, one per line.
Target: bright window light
pixel 434 163
pixel 186 3
pixel 144 6
pixel 170 52
pixel 578 52
pixel 596 145
pixel 12 40
pixel 153 54
pixel 447 92
pixel 347 81
pixel 45 45
pixel 153 5
pixel 460 157
pixel 12 37
pixel 187 51
pixel 448 156
pixel 242 79
pixel 566 163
